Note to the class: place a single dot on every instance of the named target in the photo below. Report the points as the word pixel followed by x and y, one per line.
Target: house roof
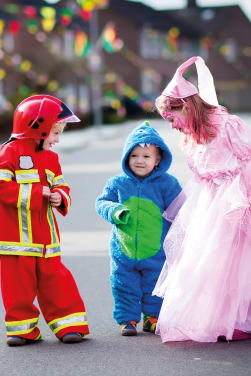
pixel 141 14
pixel 34 3
pixel 206 19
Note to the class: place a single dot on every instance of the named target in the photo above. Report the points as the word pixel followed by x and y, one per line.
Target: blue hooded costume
pixel 134 206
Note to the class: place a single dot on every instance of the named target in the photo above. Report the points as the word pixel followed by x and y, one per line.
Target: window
pixel 150 82
pixel 150 46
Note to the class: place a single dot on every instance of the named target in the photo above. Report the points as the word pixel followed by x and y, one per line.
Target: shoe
pixel 239 335
pixel 20 341
pixel 16 341
pixel 72 338
pixel 149 323
pixel 129 329
pixel 222 339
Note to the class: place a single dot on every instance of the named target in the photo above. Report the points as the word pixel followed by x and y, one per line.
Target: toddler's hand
pixel 46 191
pixel 55 199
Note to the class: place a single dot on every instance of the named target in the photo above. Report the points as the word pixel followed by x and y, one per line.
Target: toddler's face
pixel 142 160
pixel 53 138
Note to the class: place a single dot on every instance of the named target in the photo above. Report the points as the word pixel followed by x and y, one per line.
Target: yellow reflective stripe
pixel 5 170
pixel 53 231
pixel 65 317
pixel 14 253
pixel 21 327
pixel 53 254
pixel 13 333
pixel 20 195
pixel 80 323
pixel 29 215
pixel 24 217
pixel 21 322
pixel 33 245
pixel 50 176
pixel 25 249
pixel 52 250
pixel 27 176
pixel 59 180
pixel 66 196
pixel 75 319
pixel 6 175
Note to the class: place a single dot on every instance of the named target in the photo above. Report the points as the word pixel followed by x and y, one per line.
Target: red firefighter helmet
pixel 35 116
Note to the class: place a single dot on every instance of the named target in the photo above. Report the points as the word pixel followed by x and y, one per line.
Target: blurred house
pixel 37 55
pixel 226 46
pixel 151 40
pixel 119 57
pixel 156 42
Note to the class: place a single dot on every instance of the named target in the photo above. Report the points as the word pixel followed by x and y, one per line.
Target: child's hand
pixel 46 191
pixel 55 199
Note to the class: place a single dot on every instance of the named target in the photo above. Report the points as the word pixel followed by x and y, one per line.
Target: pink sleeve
pixel 173 209
pixel 239 136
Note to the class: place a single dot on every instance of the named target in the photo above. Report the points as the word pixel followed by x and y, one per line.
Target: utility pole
pixel 95 65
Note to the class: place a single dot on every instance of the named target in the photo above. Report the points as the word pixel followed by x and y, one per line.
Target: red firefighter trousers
pixel 22 279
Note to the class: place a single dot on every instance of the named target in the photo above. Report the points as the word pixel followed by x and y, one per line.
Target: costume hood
pixel 145 134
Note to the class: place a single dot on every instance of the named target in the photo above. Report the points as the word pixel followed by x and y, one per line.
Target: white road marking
pixel 92 168
pixel 85 242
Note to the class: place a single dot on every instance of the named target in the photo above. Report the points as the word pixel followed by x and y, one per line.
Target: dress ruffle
pixel 205 282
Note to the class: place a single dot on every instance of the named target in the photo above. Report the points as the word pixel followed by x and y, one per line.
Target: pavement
pixel 78 139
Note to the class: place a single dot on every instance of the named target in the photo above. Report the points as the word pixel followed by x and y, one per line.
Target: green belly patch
pixel 140 238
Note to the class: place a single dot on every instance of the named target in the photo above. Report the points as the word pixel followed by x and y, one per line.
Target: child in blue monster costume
pixel 134 202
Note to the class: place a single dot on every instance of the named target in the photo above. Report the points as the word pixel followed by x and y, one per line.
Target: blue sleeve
pixel 107 204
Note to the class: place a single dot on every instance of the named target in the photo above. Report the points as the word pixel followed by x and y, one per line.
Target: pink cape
pixel 206 280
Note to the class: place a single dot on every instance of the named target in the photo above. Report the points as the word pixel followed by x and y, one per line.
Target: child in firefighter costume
pixel 31 184
pixel 134 202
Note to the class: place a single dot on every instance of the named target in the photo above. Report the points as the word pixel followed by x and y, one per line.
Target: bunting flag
pixel 81 44
pixel 2 24
pixel 66 16
pixel 14 27
pixel 30 12
pixel 90 5
pixel 172 39
pixel 49 18
pixel 111 42
pixel 85 15
pixel 32 26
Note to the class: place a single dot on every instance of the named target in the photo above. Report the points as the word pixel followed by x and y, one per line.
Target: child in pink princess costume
pixel 206 280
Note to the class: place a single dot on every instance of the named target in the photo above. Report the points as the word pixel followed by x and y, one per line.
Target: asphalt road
pixel 85 251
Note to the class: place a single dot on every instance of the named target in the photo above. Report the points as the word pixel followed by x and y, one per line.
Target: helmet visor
pixel 69 119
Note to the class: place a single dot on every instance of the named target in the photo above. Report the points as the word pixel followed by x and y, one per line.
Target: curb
pixel 75 140
pixel 80 139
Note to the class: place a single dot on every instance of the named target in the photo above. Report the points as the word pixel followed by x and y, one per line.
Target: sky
pixel 178 4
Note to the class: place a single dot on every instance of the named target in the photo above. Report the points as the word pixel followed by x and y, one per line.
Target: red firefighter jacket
pixel 27 223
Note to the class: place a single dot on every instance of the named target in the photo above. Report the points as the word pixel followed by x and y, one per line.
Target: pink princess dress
pixel 206 280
